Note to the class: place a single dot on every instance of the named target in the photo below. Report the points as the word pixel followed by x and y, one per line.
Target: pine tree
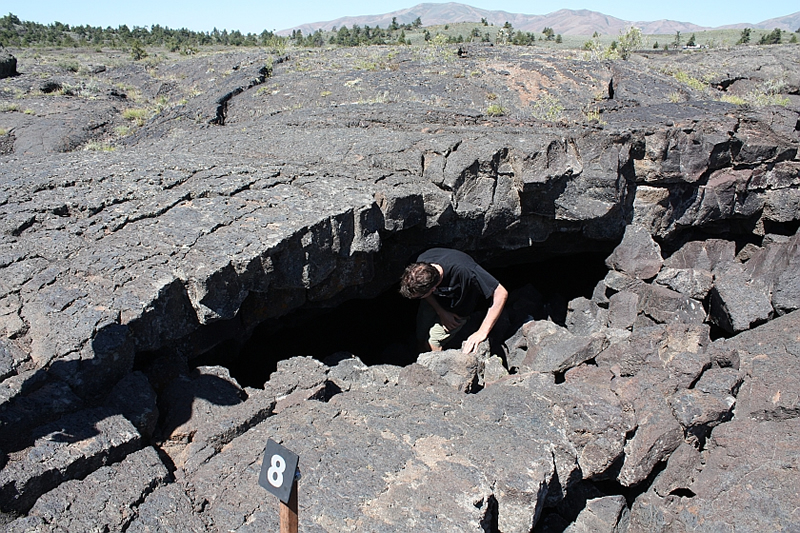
pixel 744 38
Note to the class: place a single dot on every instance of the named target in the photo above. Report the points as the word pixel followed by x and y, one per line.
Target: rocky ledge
pixel 266 184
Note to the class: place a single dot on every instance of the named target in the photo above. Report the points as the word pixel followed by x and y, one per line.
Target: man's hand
pixel 498 302
pixel 473 341
pixel 450 321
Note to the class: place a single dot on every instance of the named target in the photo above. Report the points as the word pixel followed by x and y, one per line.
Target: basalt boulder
pixel 8 64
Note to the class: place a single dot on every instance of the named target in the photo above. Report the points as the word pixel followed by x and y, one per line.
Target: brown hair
pixel 419 279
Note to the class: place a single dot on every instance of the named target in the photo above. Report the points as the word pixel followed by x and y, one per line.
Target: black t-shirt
pixel 465 284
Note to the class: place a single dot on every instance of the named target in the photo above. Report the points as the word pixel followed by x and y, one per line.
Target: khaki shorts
pixel 430 329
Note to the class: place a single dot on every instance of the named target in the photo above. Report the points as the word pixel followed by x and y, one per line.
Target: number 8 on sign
pixel 276 470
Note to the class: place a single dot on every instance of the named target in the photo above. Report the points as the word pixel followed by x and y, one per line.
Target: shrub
pixel 766 94
pixel 137 51
pixel 137 115
pixel 629 41
pixel 732 99
pixel 773 37
pixel 694 83
pixel 95 146
pixel 593 115
pixel 547 108
pixel 744 38
pixel 594 49
pixel 71 66
pixel 495 110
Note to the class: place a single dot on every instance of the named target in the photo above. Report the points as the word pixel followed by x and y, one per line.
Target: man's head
pixel 419 280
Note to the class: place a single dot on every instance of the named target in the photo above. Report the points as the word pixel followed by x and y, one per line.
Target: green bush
pixel 547 108
pixel 773 37
pixel 72 66
pixel 629 41
pixel 692 82
pixel 137 115
pixel 495 110
pixel 745 36
pixel 137 51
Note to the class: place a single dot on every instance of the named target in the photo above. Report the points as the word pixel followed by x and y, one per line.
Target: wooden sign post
pixel 273 477
pixel 288 512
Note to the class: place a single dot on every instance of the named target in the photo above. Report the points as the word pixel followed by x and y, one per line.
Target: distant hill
pixel 563 21
pixel 788 23
pixel 668 27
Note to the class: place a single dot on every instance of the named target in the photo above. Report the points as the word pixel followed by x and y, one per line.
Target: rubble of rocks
pixel 645 398
pixel 665 400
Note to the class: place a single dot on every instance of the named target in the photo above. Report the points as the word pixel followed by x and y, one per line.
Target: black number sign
pixel 278 470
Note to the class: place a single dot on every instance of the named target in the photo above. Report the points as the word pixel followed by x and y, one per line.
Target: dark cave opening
pixel 381 330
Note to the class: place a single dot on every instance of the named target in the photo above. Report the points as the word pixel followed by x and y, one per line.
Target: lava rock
pixel 691 282
pixel 601 514
pixel 637 255
pixel 50 86
pixel 658 434
pixel 770 373
pixel 135 399
pixel 6 363
pixel 682 468
pixel 699 411
pixel 720 380
pixel 554 349
pixel 685 367
pixel 702 255
pixel 622 310
pixel 167 508
pixel 105 500
pixel 70 448
pixel 462 371
pixel 193 401
pixel 8 64
pixel 737 302
pixel 585 317
pixel 667 306
pixel 46 402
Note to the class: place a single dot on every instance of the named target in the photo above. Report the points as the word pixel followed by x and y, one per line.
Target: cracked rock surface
pixel 257 184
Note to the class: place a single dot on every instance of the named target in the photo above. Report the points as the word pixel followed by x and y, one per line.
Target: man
pixel 451 285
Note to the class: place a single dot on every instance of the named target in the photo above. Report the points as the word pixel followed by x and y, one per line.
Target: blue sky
pixel 256 15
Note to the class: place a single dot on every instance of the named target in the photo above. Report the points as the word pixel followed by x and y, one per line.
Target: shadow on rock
pixel 57 427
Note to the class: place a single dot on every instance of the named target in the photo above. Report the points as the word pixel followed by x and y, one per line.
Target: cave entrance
pixel 381 330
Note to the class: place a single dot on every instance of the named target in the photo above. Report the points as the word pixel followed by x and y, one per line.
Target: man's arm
pixel 449 320
pixel 498 302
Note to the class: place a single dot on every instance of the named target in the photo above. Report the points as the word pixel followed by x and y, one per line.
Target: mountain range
pixel 563 21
